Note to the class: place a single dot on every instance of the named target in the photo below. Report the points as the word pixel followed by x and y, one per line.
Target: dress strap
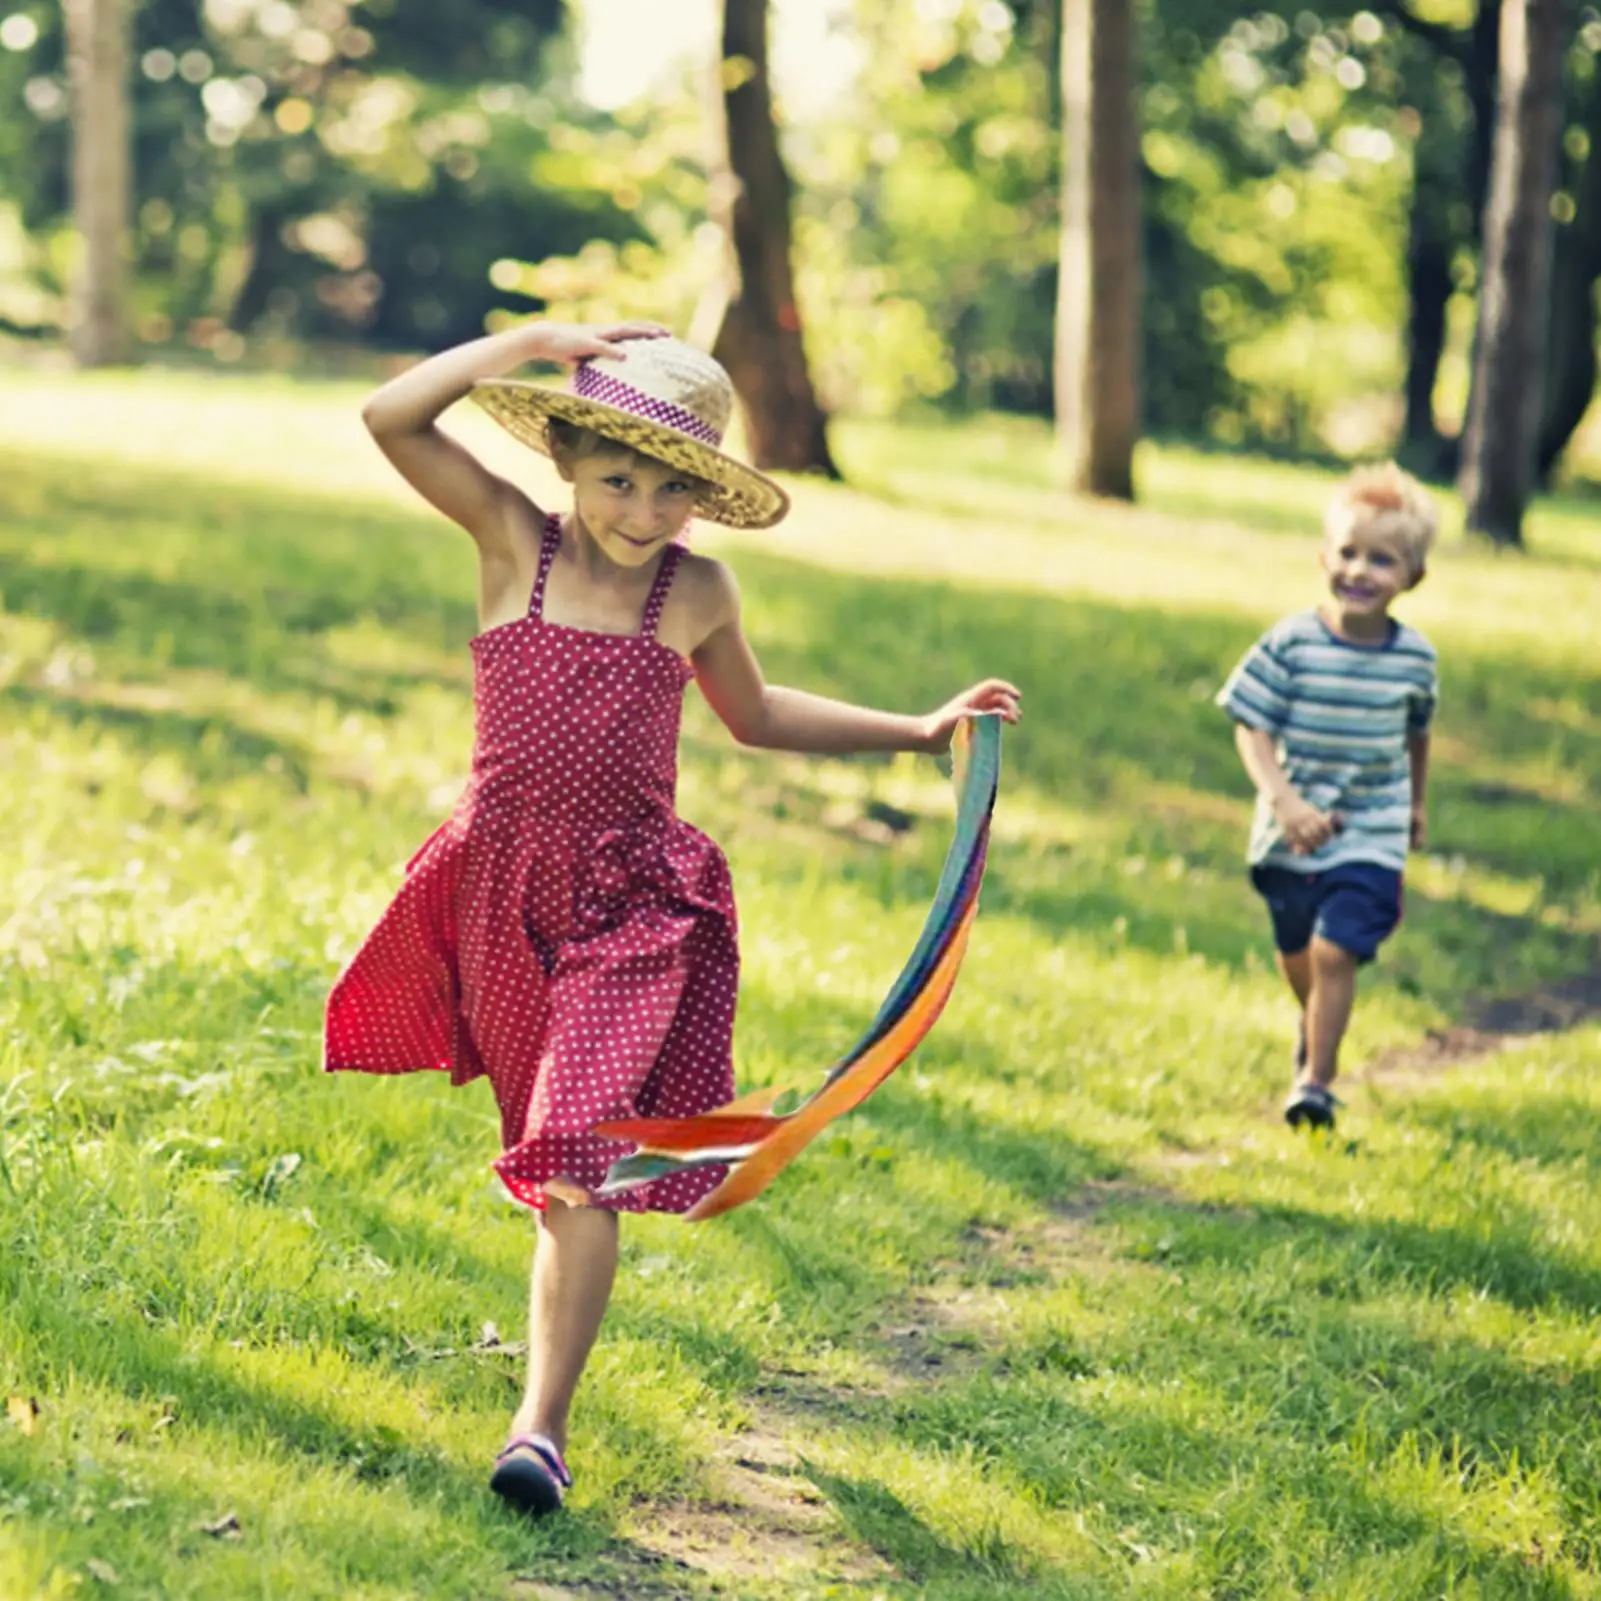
pixel 658 591
pixel 548 546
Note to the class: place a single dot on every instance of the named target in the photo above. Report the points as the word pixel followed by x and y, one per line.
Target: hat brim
pixel 735 495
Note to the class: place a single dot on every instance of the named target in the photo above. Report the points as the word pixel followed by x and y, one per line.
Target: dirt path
pixel 766 1520
pixel 1494 1026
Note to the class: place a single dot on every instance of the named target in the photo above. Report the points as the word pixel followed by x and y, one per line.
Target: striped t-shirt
pixel 1341 714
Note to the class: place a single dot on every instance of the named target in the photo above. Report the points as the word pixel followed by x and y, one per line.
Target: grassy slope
pixel 1062 1312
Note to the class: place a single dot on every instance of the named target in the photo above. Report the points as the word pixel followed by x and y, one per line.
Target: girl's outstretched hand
pixel 572 342
pixel 993 695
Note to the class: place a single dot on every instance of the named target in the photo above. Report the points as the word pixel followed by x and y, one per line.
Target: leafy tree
pixel 1450 85
pixel 319 168
pixel 927 218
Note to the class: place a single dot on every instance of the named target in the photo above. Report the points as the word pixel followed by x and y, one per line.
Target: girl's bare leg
pixel 575 1262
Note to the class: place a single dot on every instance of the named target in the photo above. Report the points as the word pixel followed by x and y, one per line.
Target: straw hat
pixel 663 398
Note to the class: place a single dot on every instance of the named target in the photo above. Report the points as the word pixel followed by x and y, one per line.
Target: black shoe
pixel 1312 1104
pixel 530 1475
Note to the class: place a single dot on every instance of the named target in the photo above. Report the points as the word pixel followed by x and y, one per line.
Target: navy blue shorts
pixel 1355 906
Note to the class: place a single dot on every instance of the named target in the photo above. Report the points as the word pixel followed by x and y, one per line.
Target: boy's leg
pixel 1328 1008
pixel 575 1262
pixel 1359 908
pixel 1292 903
pixel 1296 966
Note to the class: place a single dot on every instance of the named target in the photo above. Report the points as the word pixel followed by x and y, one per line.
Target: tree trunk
pixel 760 339
pixel 266 254
pixel 1428 263
pixel 1483 79
pixel 1571 358
pixel 98 50
pixel 1441 177
pixel 1498 450
pixel 1575 267
pixel 1098 290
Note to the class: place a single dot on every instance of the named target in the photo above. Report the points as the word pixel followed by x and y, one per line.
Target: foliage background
pixel 361 176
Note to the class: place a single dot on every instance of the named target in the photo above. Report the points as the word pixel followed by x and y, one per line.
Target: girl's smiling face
pixel 633 507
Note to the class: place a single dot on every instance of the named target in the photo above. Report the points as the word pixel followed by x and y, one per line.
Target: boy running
pixel 1332 709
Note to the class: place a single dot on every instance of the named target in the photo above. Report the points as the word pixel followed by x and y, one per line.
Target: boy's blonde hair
pixel 1390 501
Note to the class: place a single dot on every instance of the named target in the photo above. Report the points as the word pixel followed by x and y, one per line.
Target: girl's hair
pixel 572 441
pixel 1388 500
pixel 575 441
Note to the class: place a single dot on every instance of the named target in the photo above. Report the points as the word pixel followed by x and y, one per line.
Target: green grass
pixel 1062 1312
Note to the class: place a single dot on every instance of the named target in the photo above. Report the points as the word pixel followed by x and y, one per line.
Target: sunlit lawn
pixel 1062 1312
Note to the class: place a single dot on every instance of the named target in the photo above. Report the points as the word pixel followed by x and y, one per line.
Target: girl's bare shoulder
pixel 706 592
pixel 707 585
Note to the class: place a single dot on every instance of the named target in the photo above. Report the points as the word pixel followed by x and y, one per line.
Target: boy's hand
pixel 993 695
pixel 1305 827
pixel 1420 828
pixel 571 342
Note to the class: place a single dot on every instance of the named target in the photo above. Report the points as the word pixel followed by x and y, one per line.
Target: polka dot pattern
pixel 564 933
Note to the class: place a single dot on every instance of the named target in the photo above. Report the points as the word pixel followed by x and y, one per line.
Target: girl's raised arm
pixel 403 416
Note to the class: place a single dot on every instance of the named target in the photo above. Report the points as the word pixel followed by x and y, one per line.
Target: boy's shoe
pixel 1312 1104
pixel 530 1475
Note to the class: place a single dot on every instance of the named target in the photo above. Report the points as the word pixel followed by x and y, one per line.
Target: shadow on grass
pixel 148 1364
pixel 153 571
pixel 273 640
pixel 934 465
pixel 1516 1265
pixel 882 1521
pixel 1035 1164
pixel 1167 905
pixel 1262 1508
pixel 1118 711
pixel 1536 1128
pixel 195 1389
pixel 251 582
pixel 1287 1321
pixel 1252 1503
pixel 214 748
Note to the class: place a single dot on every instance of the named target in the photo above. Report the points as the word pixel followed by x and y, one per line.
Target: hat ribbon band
pixel 589 383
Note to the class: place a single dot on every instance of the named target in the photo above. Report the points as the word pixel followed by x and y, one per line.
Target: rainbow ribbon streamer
pixel 750 1136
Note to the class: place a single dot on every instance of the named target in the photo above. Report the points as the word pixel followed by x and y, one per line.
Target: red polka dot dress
pixel 565 933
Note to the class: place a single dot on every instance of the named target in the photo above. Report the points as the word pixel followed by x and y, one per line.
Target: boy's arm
pixel 774 718
pixel 1417 749
pixel 1420 720
pixel 1305 827
pixel 402 417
